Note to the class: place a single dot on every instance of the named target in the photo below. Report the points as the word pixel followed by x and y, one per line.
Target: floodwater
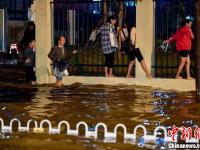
pixel 130 105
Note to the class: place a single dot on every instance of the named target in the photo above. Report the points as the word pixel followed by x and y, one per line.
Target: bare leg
pixel 56 84
pixel 130 66
pixel 180 68
pixel 106 72
pixel 188 69
pixel 59 83
pixel 33 83
pixel 146 70
pixel 111 72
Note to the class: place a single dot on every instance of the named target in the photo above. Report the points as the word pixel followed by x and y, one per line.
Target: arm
pixel 93 35
pixel 192 35
pixel 133 36
pixel 52 54
pixel 118 31
pixel 98 31
pixel 123 36
pixel 27 56
pixel 173 38
pixel 27 53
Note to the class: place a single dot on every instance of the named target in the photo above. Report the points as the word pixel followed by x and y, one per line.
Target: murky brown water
pixel 130 105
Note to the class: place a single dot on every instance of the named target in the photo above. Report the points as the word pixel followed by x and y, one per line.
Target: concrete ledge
pixel 167 84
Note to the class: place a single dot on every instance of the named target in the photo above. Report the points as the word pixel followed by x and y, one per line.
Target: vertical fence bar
pixel 168 54
pixel 25 8
pixel 157 35
pixel 92 45
pixel 82 40
pixel 162 32
pixel 74 29
pixel 58 21
pixel 87 31
pixel 78 40
pixel 15 8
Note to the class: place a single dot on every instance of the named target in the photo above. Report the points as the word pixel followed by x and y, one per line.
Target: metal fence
pixel 75 20
pixel 17 9
pixel 169 14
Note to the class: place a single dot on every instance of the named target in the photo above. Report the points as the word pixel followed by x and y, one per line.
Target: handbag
pixel 65 72
pixel 164 46
pixel 113 39
pixel 60 72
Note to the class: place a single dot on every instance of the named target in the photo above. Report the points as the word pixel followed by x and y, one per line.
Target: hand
pixel 27 61
pixel 123 52
pixel 74 51
pixel 192 35
pixel 166 41
pixel 118 30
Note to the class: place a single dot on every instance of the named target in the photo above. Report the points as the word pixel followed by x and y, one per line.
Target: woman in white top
pixel 133 52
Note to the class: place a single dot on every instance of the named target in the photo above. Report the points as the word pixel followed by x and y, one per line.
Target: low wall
pixel 166 84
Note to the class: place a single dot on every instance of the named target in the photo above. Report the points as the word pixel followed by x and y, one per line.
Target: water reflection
pixel 11 94
pixel 41 105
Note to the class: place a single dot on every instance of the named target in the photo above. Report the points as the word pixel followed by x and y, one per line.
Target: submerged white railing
pixel 108 136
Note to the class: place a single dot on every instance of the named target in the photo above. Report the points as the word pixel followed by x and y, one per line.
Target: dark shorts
pixel 135 53
pixel 184 53
pixel 109 60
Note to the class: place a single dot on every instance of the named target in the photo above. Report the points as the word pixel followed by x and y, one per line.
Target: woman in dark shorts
pixel 183 38
pixel 133 52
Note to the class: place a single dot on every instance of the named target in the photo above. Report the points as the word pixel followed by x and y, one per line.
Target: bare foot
pixel 33 83
pixel 190 78
pixel 179 77
pixel 149 76
pixel 111 75
pixel 58 86
pixel 129 76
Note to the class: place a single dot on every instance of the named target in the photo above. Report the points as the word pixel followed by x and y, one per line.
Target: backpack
pixel 126 44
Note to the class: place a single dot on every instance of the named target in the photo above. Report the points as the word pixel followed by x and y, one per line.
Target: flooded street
pixel 130 105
